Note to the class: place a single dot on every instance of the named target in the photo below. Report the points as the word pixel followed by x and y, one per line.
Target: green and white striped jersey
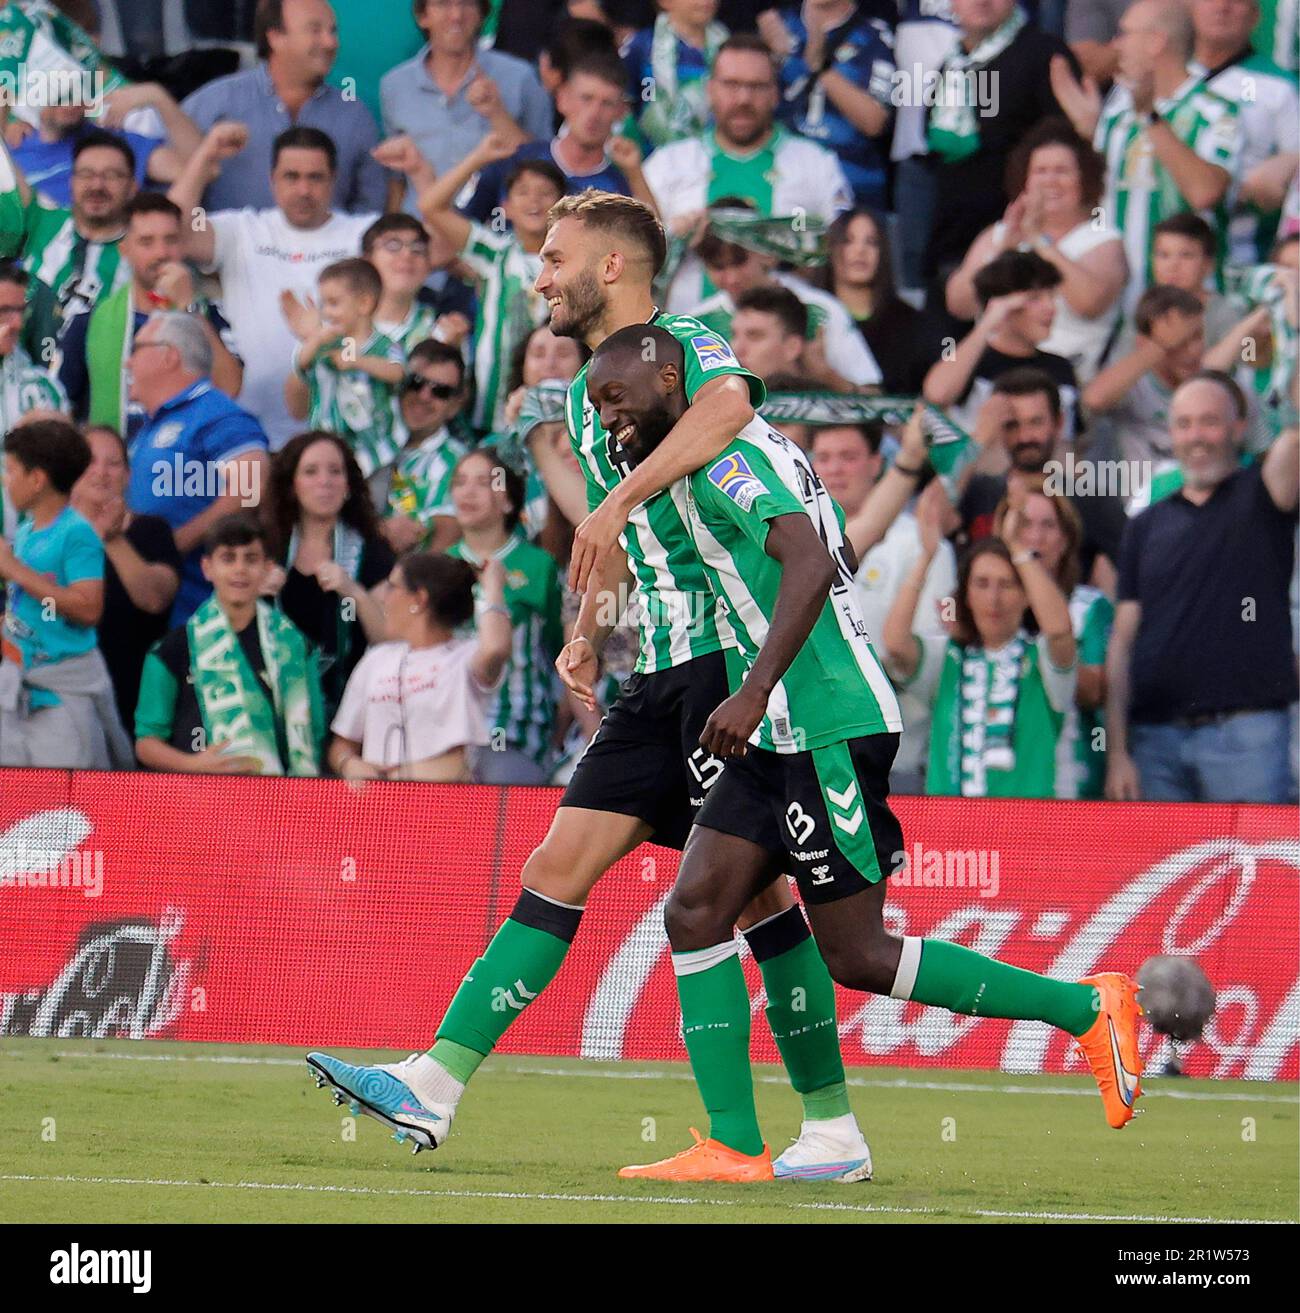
pixel 835 688
pixel 509 310
pixel 69 274
pixel 1140 191
pixel 421 484
pixel 23 387
pixel 1081 764
pixel 677 617
pixel 1263 285
pixel 357 406
pixel 525 708
pixel 418 326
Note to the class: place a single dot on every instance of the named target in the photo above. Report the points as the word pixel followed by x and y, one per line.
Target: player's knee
pixel 691 923
pixel 863 966
pixel 550 871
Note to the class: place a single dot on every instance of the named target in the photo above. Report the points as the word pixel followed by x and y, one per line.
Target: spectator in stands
pixel 1134 392
pixel 235 690
pixel 1052 527
pixel 1201 667
pixel 1022 422
pixel 570 41
pixel 142 568
pixel 769 334
pixel 668 68
pixel 1091 27
pixel 735 270
pixel 261 254
pixel 73 254
pixel 96 344
pixel 198 456
pixel 1057 181
pixel 488 496
pixel 860 275
pixel 46 154
pixel 297 42
pixel 56 697
pixel 925 35
pixel 1003 60
pixel 847 459
pixel 421 298
pixel 837 81
pixel 999 693
pixel 592 101
pixel 745 154
pixel 345 373
pixel 23 387
pixel 418 704
pixel 430 397
pixel 1266 101
pixel 331 567
pixel 1169 143
pixel 506 264
pixel 1016 295
pixel 1183 255
pixel 452 94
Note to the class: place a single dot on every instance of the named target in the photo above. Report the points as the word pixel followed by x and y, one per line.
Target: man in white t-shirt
pixel 746 153
pixel 847 460
pixel 260 254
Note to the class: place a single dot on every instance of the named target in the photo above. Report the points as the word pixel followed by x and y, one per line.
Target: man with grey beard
pixel 1201 666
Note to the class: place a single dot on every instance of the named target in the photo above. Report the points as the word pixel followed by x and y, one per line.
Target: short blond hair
pixel 620 216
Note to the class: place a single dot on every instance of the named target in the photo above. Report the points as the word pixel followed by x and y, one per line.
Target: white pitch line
pixel 653 1201
pixel 858 1082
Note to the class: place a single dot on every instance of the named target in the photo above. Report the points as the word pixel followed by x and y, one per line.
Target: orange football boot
pixel 1111 1045
pixel 706 1160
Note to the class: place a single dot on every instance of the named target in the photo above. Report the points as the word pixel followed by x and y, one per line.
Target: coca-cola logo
pixel 122 982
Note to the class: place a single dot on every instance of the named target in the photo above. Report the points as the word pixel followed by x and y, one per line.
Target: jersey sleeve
pixel 1219 139
pixel 1096 631
pixel 742 488
pixel 483 250
pixel 155 711
pixel 83 556
pixel 1059 685
pixel 708 356
pixel 350 719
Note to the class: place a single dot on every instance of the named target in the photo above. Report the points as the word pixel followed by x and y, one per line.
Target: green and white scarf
pixel 346 552
pixel 676 110
pixel 990 690
pixel 543 404
pixel 953 130
pixel 950 448
pixel 231 698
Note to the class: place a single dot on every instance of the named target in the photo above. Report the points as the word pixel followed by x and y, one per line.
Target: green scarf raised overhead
pixel 108 343
pixel 231 698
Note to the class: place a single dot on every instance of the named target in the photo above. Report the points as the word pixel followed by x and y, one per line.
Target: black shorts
pixel 646 760
pixel 825 812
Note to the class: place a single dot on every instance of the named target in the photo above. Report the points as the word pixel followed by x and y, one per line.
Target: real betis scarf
pixel 989 692
pixel 677 110
pixel 543 404
pixel 108 344
pixel 951 448
pixel 1261 285
pixel 952 131
pixel 347 551
pixel 231 699
pixel 40 45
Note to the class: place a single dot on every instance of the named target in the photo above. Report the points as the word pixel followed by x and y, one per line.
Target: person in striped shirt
pixel 504 258
pixel 1170 144
pixel 645 773
pixel 808 735
pixel 72 254
pixel 346 372
pixel 488 496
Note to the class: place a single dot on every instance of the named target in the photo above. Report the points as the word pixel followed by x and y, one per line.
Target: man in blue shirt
pixel 837 70
pixel 452 94
pixel 297 41
pixel 592 101
pixel 199 456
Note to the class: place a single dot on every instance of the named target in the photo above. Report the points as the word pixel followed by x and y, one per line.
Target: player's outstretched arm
pixel 720 409
pixel 885 502
pixel 807 572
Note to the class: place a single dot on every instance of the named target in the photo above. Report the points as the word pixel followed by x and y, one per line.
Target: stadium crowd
pixel 287 483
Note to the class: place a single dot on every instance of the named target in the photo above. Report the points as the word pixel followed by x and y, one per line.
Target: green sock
pixel 518 964
pixel 715 1026
pixel 956 978
pixel 801 1013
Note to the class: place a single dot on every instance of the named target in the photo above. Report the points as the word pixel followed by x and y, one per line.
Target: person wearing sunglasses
pixel 420 513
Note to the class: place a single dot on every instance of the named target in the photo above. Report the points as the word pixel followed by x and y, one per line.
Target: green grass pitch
pixel 139 1132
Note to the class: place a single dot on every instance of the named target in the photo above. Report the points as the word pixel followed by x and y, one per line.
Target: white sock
pixel 430 1081
pixel 844 1126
